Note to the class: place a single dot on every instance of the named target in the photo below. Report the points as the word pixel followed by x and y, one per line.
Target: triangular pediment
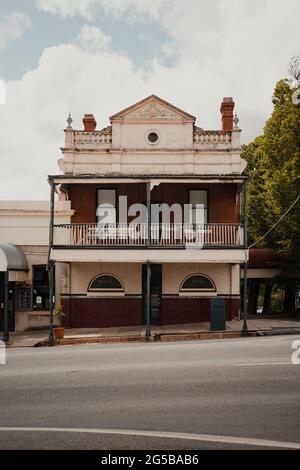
pixel 152 108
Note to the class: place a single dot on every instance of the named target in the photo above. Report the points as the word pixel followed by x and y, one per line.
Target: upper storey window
pixel 153 137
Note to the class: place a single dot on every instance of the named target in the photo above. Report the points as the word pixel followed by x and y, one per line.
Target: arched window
pixel 197 283
pixel 105 282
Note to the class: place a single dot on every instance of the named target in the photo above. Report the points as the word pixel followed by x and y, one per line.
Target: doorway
pixel 155 293
pixel 11 303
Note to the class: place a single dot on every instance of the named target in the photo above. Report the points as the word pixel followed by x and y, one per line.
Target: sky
pixel 100 56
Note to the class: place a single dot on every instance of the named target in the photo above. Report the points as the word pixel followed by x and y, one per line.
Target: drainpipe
pixel 6 308
pixel 245 302
pixel 50 265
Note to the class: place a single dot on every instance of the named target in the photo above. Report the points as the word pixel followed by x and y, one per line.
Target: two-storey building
pixel 117 260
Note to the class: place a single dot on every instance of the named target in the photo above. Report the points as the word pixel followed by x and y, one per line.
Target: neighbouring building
pixel 24 241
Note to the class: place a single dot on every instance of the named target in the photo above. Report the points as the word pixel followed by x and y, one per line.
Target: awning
pixel 12 258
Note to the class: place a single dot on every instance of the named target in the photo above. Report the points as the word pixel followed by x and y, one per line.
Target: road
pixel 219 394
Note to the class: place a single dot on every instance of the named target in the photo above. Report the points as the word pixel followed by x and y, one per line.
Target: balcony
pixel 154 236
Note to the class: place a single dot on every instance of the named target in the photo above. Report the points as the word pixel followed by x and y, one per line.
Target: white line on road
pixel 161 434
pixel 264 364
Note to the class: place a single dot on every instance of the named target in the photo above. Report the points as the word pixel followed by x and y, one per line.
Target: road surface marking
pixel 161 434
pixel 265 364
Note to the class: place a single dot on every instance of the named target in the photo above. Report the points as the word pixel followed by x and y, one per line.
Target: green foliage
pixel 274 178
pixel 58 312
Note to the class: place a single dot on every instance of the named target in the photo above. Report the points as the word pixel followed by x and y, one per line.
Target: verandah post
pixel 50 266
pixel 148 288
pixel 245 302
pixel 6 308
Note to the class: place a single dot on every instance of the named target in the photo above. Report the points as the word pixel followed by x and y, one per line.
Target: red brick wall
pixel 102 312
pixel 126 311
pixel 223 205
pixel 193 310
pixel 84 198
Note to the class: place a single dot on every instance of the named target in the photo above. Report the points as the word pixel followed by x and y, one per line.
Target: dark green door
pixel 156 290
pixel 11 303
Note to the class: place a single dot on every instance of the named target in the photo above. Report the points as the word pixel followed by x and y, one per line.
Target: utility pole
pixel 245 301
pixel 148 283
pixel 148 302
pixel 50 266
pixel 6 308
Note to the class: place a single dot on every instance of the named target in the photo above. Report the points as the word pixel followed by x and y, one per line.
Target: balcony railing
pixel 157 235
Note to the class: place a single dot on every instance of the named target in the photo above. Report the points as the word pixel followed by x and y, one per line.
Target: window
pixel 152 138
pixel 197 282
pixel 40 288
pixel 198 208
pixel 106 206
pixel 23 297
pixel 105 282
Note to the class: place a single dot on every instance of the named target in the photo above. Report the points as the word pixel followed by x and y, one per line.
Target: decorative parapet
pixel 202 136
pixel 88 139
pixel 215 139
pixel 92 138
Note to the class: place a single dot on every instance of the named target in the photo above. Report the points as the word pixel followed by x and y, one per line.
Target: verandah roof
pixel 12 258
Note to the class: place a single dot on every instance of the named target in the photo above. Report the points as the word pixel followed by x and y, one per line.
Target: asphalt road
pixel 221 394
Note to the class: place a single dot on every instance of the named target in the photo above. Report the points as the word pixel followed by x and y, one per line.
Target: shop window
pixel 23 298
pixel 40 288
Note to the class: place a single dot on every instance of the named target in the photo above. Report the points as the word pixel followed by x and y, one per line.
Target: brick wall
pixel 193 310
pixel 102 312
pixel 223 205
pixel 127 311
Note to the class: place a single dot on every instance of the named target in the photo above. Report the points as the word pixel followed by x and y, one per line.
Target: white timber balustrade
pixel 208 235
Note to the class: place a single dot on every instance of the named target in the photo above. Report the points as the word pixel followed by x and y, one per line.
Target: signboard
pixel 217 315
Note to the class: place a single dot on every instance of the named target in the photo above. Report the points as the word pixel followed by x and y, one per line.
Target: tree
pixel 274 180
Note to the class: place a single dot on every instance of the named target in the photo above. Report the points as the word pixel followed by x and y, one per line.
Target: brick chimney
pixel 89 122
pixel 227 108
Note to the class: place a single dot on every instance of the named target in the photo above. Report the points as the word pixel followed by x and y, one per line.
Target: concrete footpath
pixel 180 332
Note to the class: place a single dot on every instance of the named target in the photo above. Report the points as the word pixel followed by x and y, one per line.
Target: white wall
pixel 27 222
pixel 225 276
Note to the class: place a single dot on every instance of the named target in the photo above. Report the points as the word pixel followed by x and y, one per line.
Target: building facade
pixel 154 227
pixel 24 283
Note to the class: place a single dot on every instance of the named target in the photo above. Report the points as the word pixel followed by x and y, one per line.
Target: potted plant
pixel 59 330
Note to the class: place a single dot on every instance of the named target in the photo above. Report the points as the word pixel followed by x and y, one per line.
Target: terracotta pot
pixel 59 332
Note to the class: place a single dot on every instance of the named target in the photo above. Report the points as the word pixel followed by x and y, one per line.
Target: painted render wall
pixel 30 319
pixel 225 276
pixel 83 273
pixel 27 222
pixel 26 225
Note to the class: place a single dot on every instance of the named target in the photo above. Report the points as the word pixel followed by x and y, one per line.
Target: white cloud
pixel 2 92
pixel 12 27
pixel 86 8
pixel 67 7
pixel 223 48
pixel 92 38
